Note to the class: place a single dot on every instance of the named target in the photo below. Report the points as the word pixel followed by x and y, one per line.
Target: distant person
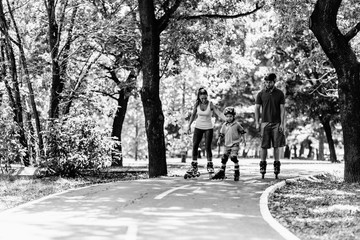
pixel 233 134
pixel 203 111
pixel 271 101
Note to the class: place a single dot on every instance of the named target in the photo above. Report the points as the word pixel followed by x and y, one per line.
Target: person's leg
pixel 224 160
pixel 279 141
pixel 198 134
pixel 208 139
pixel 235 160
pixel 265 144
pixel 221 173
pixel 276 154
pixel 263 154
pixel 277 163
pixel 263 162
pixel 233 157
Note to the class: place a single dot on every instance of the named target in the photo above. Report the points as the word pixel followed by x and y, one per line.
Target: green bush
pixel 11 151
pixel 76 145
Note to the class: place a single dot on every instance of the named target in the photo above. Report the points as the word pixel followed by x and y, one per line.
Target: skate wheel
pixel 198 174
pixel 185 176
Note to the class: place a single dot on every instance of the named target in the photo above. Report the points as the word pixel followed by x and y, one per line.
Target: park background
pixel 72 78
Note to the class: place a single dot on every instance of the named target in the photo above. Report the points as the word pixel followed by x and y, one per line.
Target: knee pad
pixel 234 159
pixel 224 158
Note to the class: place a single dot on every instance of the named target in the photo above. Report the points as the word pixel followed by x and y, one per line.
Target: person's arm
pixel 192 117
pixel 282 117
pixel 217 111
pixel 221 135
pixel 257 116
pixel 242 133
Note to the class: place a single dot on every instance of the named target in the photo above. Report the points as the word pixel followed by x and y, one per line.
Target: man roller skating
pixel 233 134
pixel 271 101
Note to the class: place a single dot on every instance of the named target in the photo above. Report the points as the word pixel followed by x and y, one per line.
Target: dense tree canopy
pixel 122 75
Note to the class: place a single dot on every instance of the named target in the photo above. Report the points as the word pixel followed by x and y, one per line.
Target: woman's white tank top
pixel 204 120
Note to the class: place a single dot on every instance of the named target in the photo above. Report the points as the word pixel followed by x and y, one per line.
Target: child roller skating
pixel 233 134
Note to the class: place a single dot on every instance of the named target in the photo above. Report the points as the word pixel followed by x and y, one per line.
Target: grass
pixel 16 191
pixel 321 208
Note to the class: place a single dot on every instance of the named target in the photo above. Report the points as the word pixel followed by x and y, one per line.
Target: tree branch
pixel 104 93
pixel 352 33
pixel 257 7
pixel 164 20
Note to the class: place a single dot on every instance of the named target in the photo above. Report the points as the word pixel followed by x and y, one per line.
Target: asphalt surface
pixel 161 208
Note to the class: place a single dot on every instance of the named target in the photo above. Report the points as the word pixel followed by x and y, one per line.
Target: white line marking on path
pixel 132 232
pixel 162 195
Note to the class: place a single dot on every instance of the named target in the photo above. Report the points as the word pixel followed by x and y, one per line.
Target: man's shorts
pixel 271 136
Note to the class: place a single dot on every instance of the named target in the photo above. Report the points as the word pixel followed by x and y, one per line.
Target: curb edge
pixel 265 212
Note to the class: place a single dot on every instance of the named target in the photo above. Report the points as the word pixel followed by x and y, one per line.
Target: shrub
pixel 76 145
pixel 11 151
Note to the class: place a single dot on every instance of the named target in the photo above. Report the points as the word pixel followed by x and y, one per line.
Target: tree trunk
pixel 321 144
pixel 123 99
pixel 336 47
pixel 136 145
pixel 57 85
pixel 154 117
pixel 329 138
pixel 31 98
pixel 116 155
pixel 14 91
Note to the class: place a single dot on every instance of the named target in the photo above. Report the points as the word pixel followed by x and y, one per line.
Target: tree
pixel 302 66
pixel 336 45
pixel 154 117
pixel 117 46
pixel 153 21
pixel 59 48
pixel 23 60
pixel 8 55
pixel 124 93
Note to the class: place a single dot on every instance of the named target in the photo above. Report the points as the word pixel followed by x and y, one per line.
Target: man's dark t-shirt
pixel 270 102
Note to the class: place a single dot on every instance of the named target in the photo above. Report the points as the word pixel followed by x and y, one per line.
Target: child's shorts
pixel 271 136
pixel 233 150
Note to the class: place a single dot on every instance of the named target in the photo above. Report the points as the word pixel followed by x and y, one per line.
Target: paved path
pixel 162 208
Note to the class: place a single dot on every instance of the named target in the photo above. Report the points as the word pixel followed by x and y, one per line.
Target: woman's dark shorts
pixel 271 136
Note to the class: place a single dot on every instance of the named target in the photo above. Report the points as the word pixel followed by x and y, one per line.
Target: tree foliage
pixel 83 60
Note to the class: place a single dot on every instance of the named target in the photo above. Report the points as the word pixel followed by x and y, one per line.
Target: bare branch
pixel 104 93
pixel 327 96
pixel 322 83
